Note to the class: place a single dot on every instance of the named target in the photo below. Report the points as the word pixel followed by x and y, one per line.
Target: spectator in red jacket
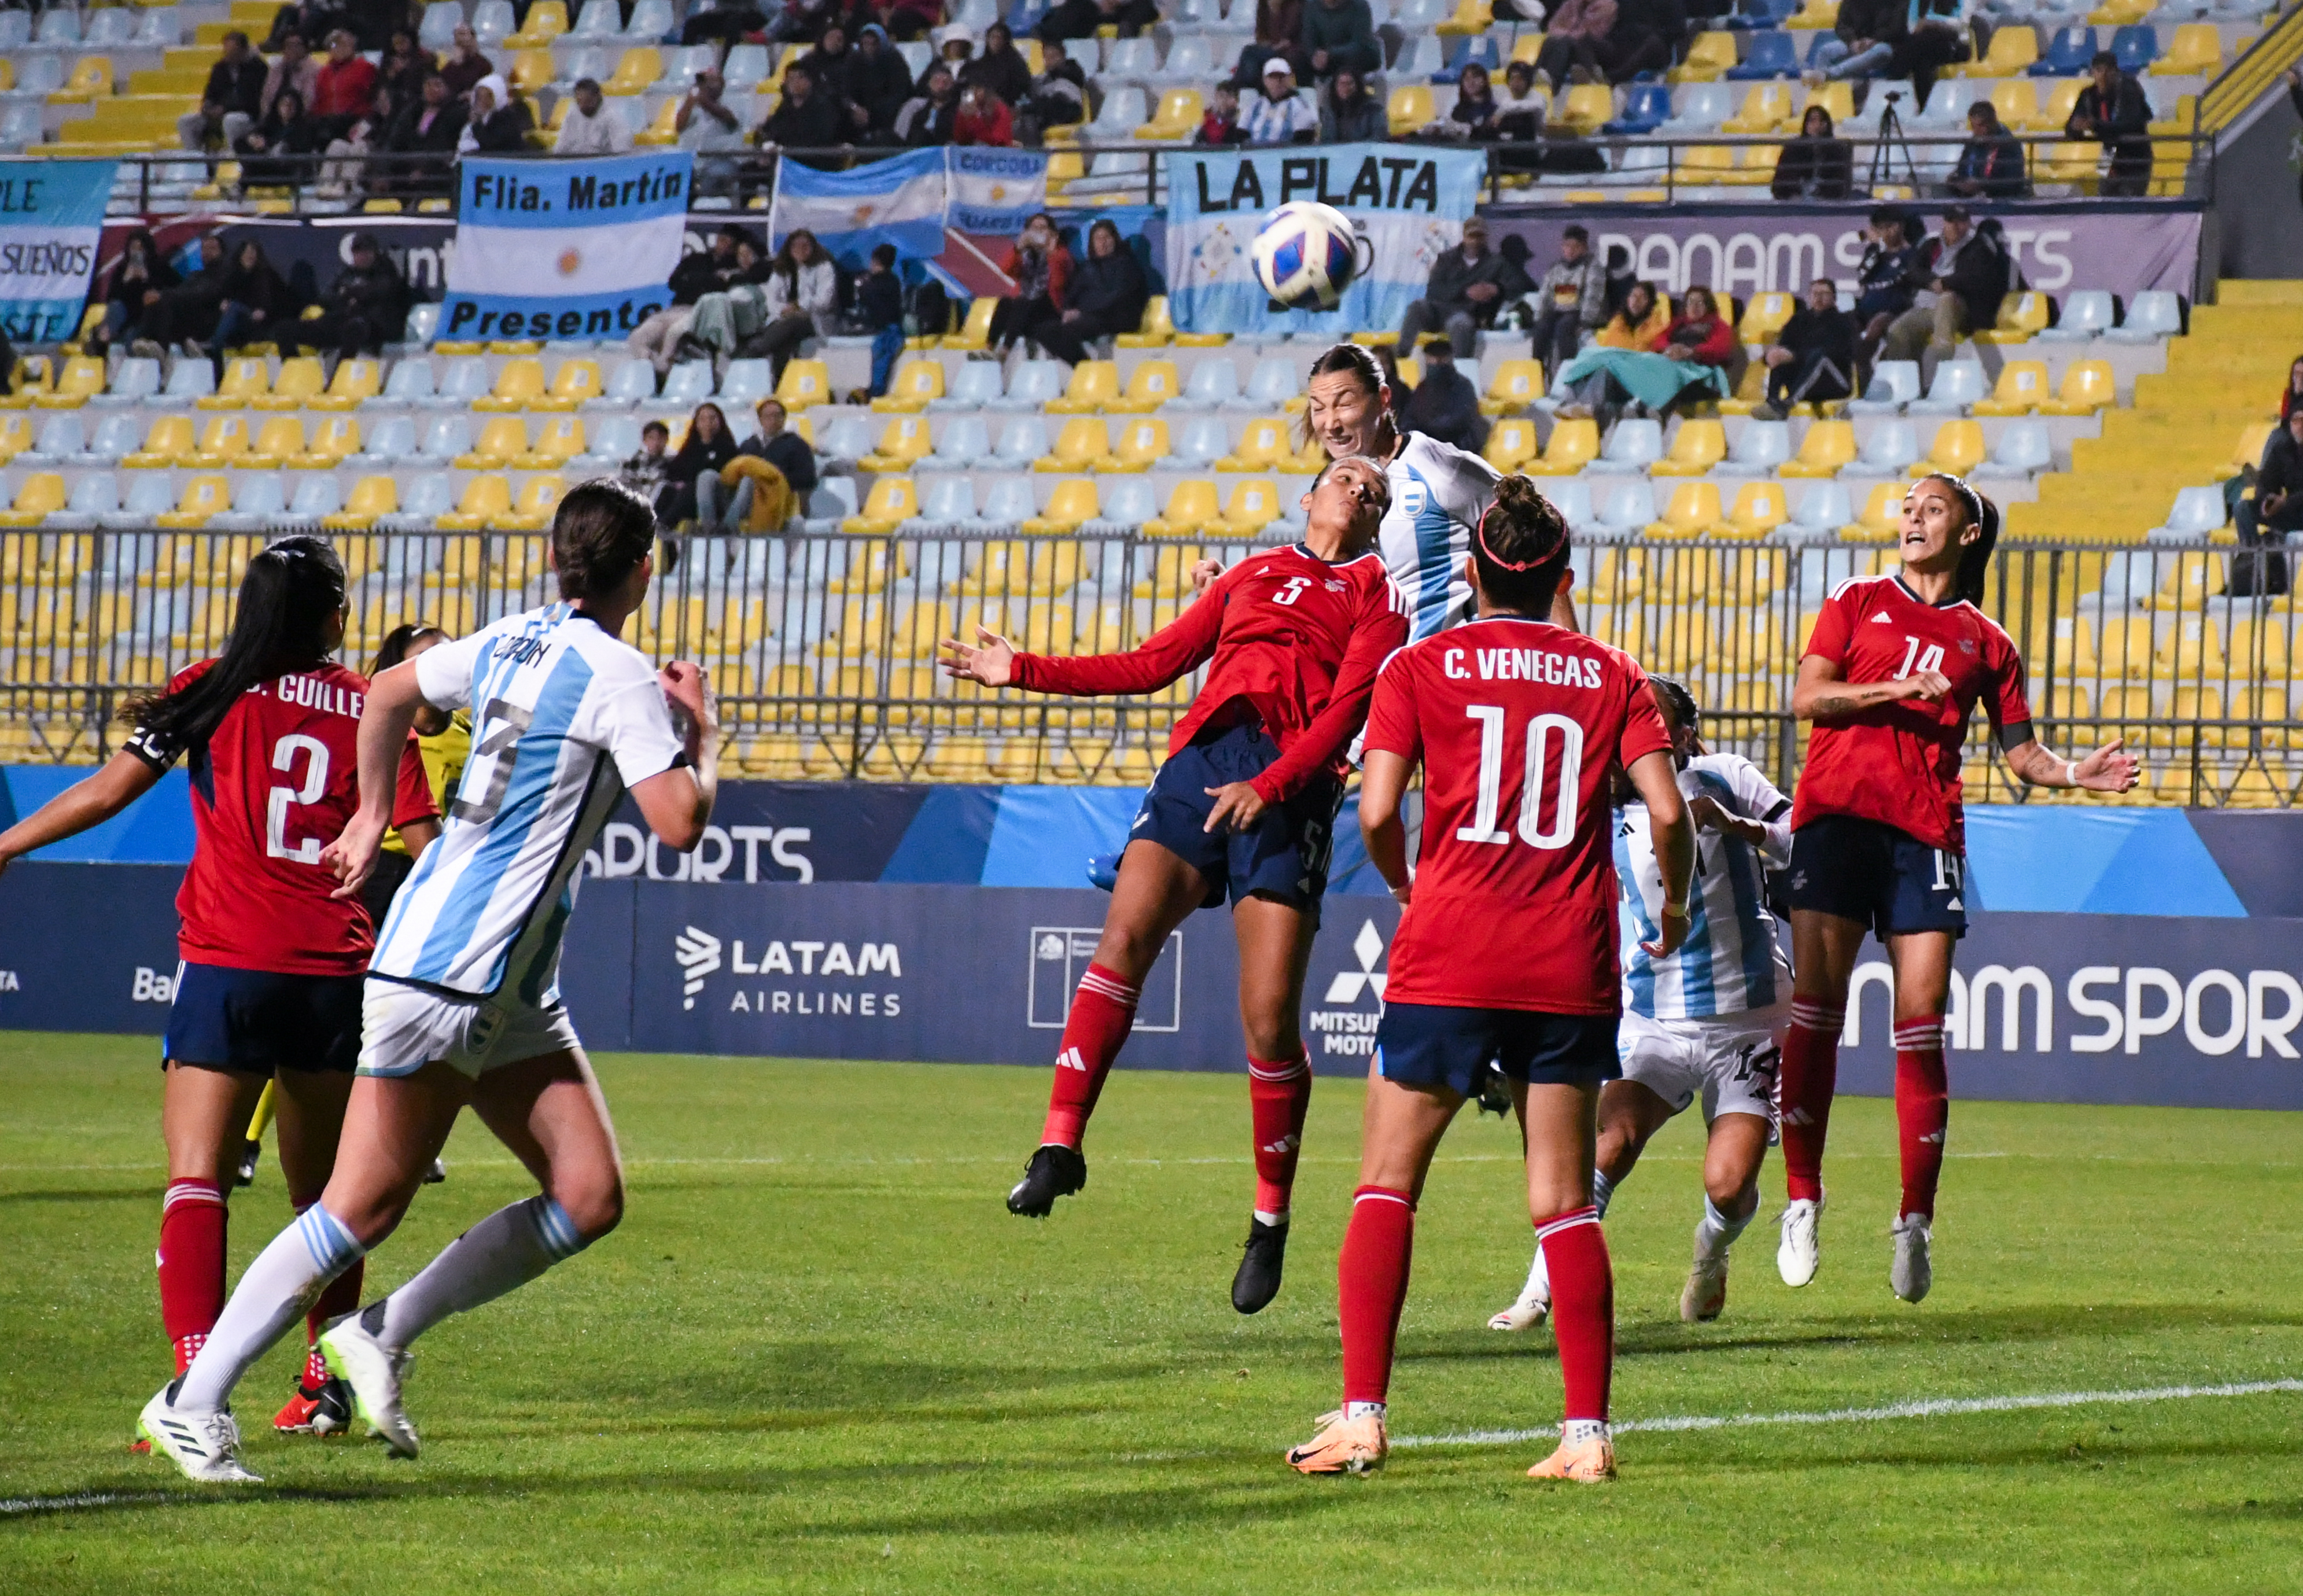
pixel 984 118
pixel 1698 333
pixel 345 90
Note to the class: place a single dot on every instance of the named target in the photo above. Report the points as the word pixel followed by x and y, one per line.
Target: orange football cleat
pixel 1343 1447
pixel 1587 1463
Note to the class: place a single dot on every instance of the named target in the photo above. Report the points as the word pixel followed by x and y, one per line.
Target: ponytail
pixel 1974 558
pixel 288 604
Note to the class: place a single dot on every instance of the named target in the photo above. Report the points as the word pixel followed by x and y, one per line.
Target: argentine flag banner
pixel 51 219
pixel 909 200
pixel 572 249
pixel 1408 203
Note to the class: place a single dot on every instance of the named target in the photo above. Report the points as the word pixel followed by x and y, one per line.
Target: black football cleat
pixel 1266 1255
pixel 1055 1171
pixel 250 1153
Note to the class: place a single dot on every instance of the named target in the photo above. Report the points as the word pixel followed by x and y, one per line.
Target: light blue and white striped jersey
pixel 1731 961
pixel 564 719
pixel 1437 495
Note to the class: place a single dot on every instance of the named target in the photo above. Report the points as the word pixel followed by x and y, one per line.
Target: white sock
pixel 1363 1410
pixel 1264 1216
pixel 277 1290
pixel 1575 1433
pixel 1717 1232
pixel 1603 1191
pixel 504 1252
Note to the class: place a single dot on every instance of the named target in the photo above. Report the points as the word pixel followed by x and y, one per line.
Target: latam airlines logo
pixel 698 952
pixel 700 957
pixel 1346 1029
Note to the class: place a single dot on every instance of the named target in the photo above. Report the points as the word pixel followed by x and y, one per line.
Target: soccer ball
pixel 1305 256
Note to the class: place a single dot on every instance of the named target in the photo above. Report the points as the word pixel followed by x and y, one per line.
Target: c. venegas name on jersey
pixel 1523 664
pixel 306 692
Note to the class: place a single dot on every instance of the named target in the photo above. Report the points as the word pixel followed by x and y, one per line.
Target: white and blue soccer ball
pixel 1305 256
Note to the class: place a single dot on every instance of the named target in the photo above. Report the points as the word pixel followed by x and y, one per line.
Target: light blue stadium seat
pixel 2087 314
pixel 409 381
pixel 423 322
pixel 422 501
pixel 39 74
pixel 1271 385
pixel 2151 315
pixel 159 29
pixel 1947 106
pixel 689 384
pixel 1958 384
pixel 393 439
pixel 1630 505
pixel 585 61
pixel 149 494
pixel 1024 439
pixel 2197 511
pixel 1892 446
pixel 138 378
pixel 943 501
pixel 746 383
pixel 1634 445
pixel 849 438
pixel 1007 503
pixel 59 27
pixel 1190 62
pixel 746 68
pixel 436 32
pixel 2023 449
pixel 257 497
pixel 1214 382
pixel 108 28
pixel 629 384
pixel 1127 502
pixel 651 21
pixel 681 65
pixel 466 379
pixel 832 501
pixel 1894 383
pixel 1036 382
pixel 93 497
pixel 445 437
pixel 1204 440
pixel 60 437
pixel 15 30
pixel 190 380
pixel 492 22
pixel 1824 507
pixel 976 386
pixel 1571 497
pixel 599 19
pixel 116 434
pixel 1129 61
pixel 964 444
pixel 20 118
pixel 1759 449
pixel 613 439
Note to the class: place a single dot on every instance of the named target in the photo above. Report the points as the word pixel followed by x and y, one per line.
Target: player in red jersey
pixel 270 983
pixel 1244 806
pixel 1893 670
pixel 1506 955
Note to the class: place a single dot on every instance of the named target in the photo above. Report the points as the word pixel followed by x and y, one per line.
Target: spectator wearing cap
pixel 2113 110
pixel 1957 287
pixel 1463 294
pixel 231 102
pixel 1813 356
pixel 1276 114
pixel 1572 297
pixel 364 308
pixel 343 90
pixel 1337 34
pixel 1445 405
pixel 592 127
pixel 1991 163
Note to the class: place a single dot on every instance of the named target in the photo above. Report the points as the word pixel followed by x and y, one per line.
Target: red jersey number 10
pixel 1531 827
pixel 315 782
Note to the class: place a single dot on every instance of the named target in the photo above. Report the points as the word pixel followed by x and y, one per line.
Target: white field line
pixel 1932 1408
pixel 14 1505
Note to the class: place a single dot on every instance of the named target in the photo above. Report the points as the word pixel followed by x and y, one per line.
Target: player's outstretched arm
pixel 393 700
pixel 1674 837
pixel 81 807
pixel 677 803
pixel 2110 768
pixel 1383 779
pixel 1174 651
pixel 1821 695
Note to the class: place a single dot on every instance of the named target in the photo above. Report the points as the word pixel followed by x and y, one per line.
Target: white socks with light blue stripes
pixel 275 1293
pixel 504 1252
pixel 1717 1232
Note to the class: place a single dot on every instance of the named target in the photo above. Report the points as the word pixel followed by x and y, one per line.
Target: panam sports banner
pixel 51 220
pixel 909 200
pixel 1408 202
pixel 573 248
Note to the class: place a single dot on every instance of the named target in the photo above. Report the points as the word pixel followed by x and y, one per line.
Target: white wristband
pixel 2071 771
pixel 1677 911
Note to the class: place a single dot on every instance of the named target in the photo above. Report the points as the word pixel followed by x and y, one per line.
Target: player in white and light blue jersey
pixel 462 1005
pixel 1706 1022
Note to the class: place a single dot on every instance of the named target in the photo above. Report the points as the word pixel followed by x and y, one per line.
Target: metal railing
pixel 823 646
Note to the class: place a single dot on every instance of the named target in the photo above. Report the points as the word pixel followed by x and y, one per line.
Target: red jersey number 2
pixel 315 784
pixel 1489 801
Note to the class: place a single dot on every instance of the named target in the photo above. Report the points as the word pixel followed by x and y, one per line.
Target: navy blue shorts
pixel 260 1023
pixel 1285 857
pixel 1429 1044
pixel 1870 872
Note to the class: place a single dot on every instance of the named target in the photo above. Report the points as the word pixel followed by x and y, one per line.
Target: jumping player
pixel 268 989
pixel 1243 806
pixel 462 1005
pixel 1506 954
pixel 1708 1021
pixel 1894 668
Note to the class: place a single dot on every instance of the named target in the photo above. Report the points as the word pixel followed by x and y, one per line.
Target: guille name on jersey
pixel 1523 664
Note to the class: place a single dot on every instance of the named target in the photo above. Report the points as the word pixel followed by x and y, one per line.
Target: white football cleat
pixel 1913 1271
pixel 1706 1293
pixel 1801 1249
pixel 204 1443
pixel 1534 1304
pixel 373 1371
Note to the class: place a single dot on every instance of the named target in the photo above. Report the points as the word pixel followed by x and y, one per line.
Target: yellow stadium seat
pixel 638 69
pixel 1510 445
pixel 501 441
pixel 2077 161
pixel 2061 99
pixel 243 380
pixel 1516 384
pixel 1261 447
pixel 1699 444
pixel 301 381
pixel 1836 99
pixel 575 380
pixel 2122 648
pixel 1157 327
pixel 1152 384
pixel 204 495
pixel 35 374
pixel 278 441
pixel 1192 505
pixel 532 510
pixel 1573 444
pixel 371 497
pixel 15 434
pixel 804 383
pixel 1703 164
pixel 2259 703
pixel 547 19
pixel 1708 59
pixel 1472 16
pixel 2196 51
pixel 1765 316
pixel 1409 109
pixel 484 496
pixel 1528 46
pixel 1766 108
pixel 1583 109
pixel 332 439
pixel 520 382
pixel 975 332
pixel 1883 512
pixel 2022 385
pixel 2187 581
pixel 1093 383
pixel 1143 445
pixel 82 378
pixel 664 129
pixel 918 381
pixel 90 78
pixel 1758 509
pixel 2088 386
pixel 1693 511
pixel 36 496
pixel 532 74
pixel 1957 448
pixel 224 439
pixel 2021 315
pixel 1012 567
pixel 558 440
pixel 2260 648
pixel 2247 455
pixel 892 499
pixel 2013 51
pixel 1254 505
pixel 2015 100
pixel 166 441
pixel 903 442
pixel 1073 502
pixel 1176 117
pixel 1827 446
pixel 1083 441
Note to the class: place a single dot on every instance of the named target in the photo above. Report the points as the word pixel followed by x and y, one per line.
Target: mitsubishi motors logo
pixel 1344 1029
pixel 698 952
pixel 1348 984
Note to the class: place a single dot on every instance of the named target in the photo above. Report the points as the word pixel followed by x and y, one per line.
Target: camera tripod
pixel 1893 142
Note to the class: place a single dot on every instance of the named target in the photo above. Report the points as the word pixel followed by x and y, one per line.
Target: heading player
pixel 269 988
pixel 462 1004
pixel 1894 669
pixel 1506 954
pixel 1709 1021
pixel 1244 806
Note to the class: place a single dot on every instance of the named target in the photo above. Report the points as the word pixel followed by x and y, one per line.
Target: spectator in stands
pixel 2275 510
pixel 1813 356
pixel 1646 37
pixel 1991 163
pixel 904 19
pixel 2113 110
pixel 283 139
pixel 135 285
pixel 186 314
pixel 466 66
pixel 499 121
pixel 1080 19
pixel 1350 114
pixel 829 63
pixel 1445 405
pixel 807 119
pixel 643 472
pixel 707 126
pixel 1001 67
pixel 231 102
pixel 1337 34
pixel 1701 334
pixel 404 67
pixel 1818 164
pixel 801 295
pixel 933 115
pixel 879 81
pixel 1278 32
pixel 700 271
pixel 1276 114
pixel 347 167
pixel 706 448
pixel 1884 282
pixel 1573 299
pixel 1105 297
pixel 363 308
pixel 1521 108
pixel 1473 117
pixel 984 118
pixel 1958 286
pixel 2290 397
pixel 292 69
pixel 1936 34
pixel 1220 125
pixel 1041 268
pixel 592 127
pixel 1059 100
pixel 257 301
pixel 430 126
pixel 955 48
pixel 344 91
pixel 880 311
pixel 1571 42
pixel 722 507
pixel 1465 289
pixel 1865 41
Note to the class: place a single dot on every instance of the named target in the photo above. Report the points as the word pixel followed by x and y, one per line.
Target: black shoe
pixel 1258 1279
pixel 249 1154
pixel 1494 1095
pixel 1055 1171
pixel 437 1173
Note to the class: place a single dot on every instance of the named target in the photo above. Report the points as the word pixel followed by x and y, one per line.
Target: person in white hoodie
pixel 592 127
pixel 1279 114
pixel 801 293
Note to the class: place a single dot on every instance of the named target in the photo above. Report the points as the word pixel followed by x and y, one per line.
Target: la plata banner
pixel 51 219
pixel 1407 202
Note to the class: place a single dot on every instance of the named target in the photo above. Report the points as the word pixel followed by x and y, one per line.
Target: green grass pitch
pixel 820 1357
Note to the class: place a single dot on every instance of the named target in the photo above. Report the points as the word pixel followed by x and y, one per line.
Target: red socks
pixel 1923 1109
pixel 1582 1308
pixel 1103 1010
pixel 1811 1074
pixel 191 1263
pixel 1278 1095
pixel 1370 1285
pixel 341 1296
